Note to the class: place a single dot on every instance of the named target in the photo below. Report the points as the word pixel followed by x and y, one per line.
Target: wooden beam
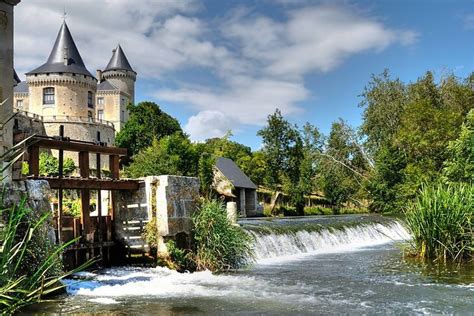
pixel 33 160
pixel 85 213
pixel 84 170
pixel 89 184
pixel 78 146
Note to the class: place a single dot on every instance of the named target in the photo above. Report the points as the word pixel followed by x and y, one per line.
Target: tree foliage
pixel 173 155
pixel 49 165
pixel 146 123
pixel 409 132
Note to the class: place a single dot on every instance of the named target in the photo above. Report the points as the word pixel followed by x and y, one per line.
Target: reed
pixel 18 285
pixel 220 245
pixel 441 222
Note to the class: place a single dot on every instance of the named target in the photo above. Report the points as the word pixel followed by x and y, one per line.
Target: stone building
pixel 232 183
pixel 62 91
pixel 6 69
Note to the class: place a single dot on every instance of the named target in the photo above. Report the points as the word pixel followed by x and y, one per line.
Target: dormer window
pixel 90 99
pixel 48 96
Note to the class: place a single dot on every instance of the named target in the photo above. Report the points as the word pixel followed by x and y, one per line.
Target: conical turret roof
pixel 64 57
pixel 118 61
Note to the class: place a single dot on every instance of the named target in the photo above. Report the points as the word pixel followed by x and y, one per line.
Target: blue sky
pixel 219 65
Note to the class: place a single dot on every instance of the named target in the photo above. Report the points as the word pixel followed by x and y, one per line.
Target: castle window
pixel 90 102
pixel 100 101
pixel 122 116
pixel 89 114
pixel 19 103
pixel 48 96
pixel 100 114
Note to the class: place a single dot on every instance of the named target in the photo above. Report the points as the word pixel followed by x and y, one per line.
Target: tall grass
pixel 19 286
pixel 441 222
pixel 220 245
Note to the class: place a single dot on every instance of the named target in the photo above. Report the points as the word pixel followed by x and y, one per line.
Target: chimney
pixel 98 75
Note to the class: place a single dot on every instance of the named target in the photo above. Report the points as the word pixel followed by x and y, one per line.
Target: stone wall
pixel 6 71
pixel 71 94
pixel 172 199
pixel 114 104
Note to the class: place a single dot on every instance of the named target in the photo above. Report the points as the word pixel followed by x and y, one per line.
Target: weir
pixel 285 239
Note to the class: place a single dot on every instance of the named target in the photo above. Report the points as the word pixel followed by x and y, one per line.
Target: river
pixel 320 265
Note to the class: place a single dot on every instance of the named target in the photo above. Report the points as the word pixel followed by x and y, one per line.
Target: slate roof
pixel 22 87
pixel 55 63
pixel 106 85
pixel 232 172
pixel 15 77
pixel 118 61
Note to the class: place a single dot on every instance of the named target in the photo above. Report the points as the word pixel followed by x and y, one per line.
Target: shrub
pixel 219 245
pixel 317 210
pixel 441 222
pixel 29 270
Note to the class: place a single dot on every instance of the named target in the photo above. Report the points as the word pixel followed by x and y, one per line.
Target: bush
pixel 219 244
pixel 441 222
pixel 72 207
pixel 317 210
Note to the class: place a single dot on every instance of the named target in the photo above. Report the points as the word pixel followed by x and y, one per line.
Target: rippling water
pixel 356 269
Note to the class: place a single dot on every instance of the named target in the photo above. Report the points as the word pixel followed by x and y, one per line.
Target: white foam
pixel 276 247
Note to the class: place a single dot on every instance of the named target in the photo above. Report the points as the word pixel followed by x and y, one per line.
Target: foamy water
pixel 278 247
pixel 348 270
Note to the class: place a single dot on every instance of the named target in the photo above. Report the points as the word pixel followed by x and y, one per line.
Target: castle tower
pixel 116 89
pixel 62 86
pixel 119 73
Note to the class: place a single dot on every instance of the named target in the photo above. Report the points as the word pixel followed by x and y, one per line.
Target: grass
pixel 219 244
pixel 18 285
pixel 441 222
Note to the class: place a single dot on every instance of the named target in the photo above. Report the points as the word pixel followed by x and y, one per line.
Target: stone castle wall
pixel 6 69
pixel 71 94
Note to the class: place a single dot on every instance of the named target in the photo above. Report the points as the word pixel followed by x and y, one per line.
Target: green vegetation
pixel 441 220
pixel 409 131
pixel 146 123
pixel 49 165
pixel 219 244
pixel 31 266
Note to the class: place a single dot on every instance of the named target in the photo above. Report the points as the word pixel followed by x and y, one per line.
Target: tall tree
pixel 146 123
pixel 283 149
pixel 172 154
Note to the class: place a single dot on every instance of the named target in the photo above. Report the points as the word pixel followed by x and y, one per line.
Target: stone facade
pixel 112 107
pixel 171 199
pixel 6 69
pixel 70 95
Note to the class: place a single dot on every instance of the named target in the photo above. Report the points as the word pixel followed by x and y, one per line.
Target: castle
pixel 63 92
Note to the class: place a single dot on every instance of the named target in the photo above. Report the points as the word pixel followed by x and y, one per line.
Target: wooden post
pixel 33 160
pixel 60 190
pixel 115 174
pixel 99 204
pixel 85 194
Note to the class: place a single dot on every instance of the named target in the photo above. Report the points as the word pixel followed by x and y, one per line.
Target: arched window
pixel 48 96
pixel 90 99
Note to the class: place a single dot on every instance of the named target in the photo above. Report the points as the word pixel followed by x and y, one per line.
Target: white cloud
pixel 208 124
pixel 257 62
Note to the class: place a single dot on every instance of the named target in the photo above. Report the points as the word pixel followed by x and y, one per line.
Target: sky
pixel 226 65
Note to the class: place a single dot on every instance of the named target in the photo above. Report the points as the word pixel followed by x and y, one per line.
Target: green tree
pixel 49 165
pixel 282 146
pixel 146 123
pixel 173 154
pixel 283 149
pixel 343 166
pixel 206 173
pixel 460 164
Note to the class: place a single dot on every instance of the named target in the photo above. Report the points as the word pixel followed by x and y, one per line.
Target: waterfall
pixel 274 244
